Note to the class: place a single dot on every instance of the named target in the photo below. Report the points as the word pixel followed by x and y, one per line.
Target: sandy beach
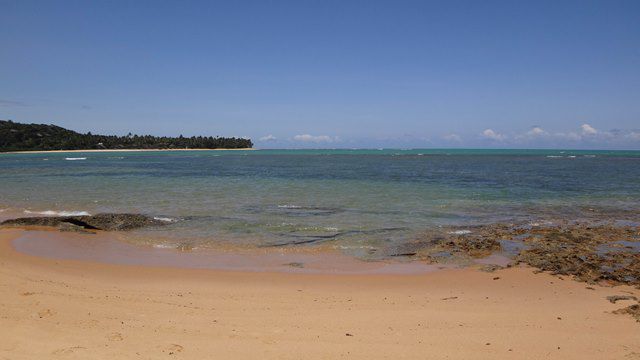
pixel 320 180
pixel 73 309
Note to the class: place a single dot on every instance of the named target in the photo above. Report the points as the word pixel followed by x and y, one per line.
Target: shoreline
pixel 117 150
pixel 112 248
pixel 87 309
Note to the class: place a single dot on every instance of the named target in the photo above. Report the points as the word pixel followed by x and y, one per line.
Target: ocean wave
pixel 460 232
pixel 164 246
pixel 181 247
pixel 293 227
pixel 347 247
pixel 76 158
pixel 58 213
pixel 165 219
pixel 541 223
pixel 288 206
pixel 554 156
pixel 309 210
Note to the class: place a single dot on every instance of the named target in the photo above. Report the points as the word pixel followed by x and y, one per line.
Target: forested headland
pixel 37 137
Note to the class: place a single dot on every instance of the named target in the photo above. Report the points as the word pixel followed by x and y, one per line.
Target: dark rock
pixel 614 298
pixel 491 268
pixel 600 250
pixel 106 222
pixel 633 310
pixel 187 246
pixel 403 254
pixel 585 252
pixel 458 244
pixel 295 264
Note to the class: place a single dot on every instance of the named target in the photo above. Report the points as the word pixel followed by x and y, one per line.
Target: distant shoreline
pixel 116 150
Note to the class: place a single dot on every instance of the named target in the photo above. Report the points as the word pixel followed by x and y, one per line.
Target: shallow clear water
pixel 350 199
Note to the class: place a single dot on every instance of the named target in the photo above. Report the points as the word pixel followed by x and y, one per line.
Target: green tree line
pixel 24 137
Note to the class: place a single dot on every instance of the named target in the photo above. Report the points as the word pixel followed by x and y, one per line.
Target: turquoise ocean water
pixel 349 199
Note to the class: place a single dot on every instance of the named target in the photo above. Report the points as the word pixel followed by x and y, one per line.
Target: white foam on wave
pixel 289 206
pixel 58 213
pixel 571 156
pixel 165 219
pixel 541 223
pixel 460 232
pixel 163 246
pixel 589 156
pixel 345 247
pixel 74 159
pixel 554 156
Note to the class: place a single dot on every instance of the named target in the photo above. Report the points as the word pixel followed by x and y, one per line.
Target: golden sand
pixel 71 309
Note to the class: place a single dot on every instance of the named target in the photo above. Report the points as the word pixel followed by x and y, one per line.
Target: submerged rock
pixel 105 221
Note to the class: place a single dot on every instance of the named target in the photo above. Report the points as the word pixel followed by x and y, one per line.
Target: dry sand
pixel 71 309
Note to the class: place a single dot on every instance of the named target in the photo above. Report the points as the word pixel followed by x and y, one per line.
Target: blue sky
pixel 330 73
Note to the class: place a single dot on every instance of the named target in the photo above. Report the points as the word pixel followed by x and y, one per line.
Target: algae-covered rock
pixel 105 221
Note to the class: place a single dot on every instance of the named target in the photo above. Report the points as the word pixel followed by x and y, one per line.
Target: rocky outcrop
pixel 605 251
pixel 600 253
pixel 106 222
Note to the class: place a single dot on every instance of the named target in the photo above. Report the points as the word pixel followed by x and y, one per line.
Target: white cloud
pixel 572 136
pixel 490 134
pixel 634 135
pixel 452 137
pixel 588 129
pixel 268 138
pixel 536 131
pixel 312 138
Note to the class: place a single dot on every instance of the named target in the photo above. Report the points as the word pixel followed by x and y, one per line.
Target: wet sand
pixel 113 248
pixel 66 308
